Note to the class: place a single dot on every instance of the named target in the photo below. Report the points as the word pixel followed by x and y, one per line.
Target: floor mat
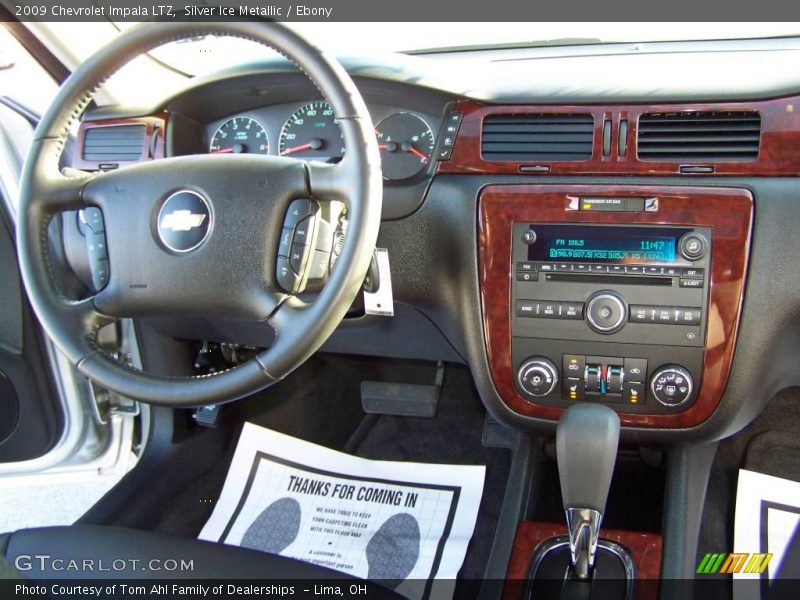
pixel 320 403
pixel 401 524
pixel 781 415
pixel 454 437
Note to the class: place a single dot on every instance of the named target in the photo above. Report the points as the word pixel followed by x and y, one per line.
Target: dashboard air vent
pixel 537 137
pixel 113 143
pixel 699 136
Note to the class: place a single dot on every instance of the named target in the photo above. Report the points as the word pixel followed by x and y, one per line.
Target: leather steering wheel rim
pixel 300 327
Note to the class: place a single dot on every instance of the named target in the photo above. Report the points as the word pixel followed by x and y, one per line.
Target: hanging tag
pixel 381 302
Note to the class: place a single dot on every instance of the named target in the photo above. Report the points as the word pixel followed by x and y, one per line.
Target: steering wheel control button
pixel 285 244
pixel 100 274
pixel 537 376
pixel 298 257
pixel 671 385
pixel 606 312
pixel 184 221
pixel 693 246
pixel 286 276
pixel 298 210
pixel 93 217
pixel 96 246
pixel 302 233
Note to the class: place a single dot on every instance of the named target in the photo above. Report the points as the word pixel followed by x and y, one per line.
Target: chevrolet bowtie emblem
pixel 182 220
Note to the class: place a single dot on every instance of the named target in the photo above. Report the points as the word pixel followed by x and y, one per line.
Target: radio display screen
pixel 623 245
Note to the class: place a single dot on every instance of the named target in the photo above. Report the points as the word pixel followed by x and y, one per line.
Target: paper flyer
pixel 406 525
pixel 767 516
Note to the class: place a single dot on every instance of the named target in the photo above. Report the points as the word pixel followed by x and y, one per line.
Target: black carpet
pixel 453 437
pixel 753 448
pixel 320 403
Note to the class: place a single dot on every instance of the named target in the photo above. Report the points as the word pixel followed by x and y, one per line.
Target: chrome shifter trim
pixel 583 526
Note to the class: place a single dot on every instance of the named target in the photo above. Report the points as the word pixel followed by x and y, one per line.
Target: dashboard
pixel 600 242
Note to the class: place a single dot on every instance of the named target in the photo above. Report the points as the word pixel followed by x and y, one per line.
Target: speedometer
pixel 312 132
pixel 240 135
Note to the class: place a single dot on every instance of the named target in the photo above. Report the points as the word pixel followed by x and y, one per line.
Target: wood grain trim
pixel 153 124
pixel 644 548
pixel 728 211
pixel 779 153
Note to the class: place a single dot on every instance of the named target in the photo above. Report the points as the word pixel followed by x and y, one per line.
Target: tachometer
pixel 312 132
pixel 406 145
pixel 238 135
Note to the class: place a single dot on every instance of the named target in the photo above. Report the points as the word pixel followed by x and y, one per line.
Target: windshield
pixel 167 67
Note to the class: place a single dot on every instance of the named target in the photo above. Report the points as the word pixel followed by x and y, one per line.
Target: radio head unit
pixel 609 313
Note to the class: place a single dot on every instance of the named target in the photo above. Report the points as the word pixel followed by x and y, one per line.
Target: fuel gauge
pixel 406 144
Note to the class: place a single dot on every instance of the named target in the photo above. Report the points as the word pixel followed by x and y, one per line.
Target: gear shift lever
pixel 586 449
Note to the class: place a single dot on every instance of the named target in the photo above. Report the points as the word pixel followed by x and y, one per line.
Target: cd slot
pixel 610 279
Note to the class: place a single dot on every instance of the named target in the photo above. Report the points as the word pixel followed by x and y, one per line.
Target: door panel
pixel 30 423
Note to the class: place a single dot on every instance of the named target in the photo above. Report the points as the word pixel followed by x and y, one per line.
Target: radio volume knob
pixel 606 312
pixel 537 376
pixel 671 385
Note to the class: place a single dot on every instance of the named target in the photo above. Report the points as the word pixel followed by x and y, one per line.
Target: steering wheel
pixel 232 272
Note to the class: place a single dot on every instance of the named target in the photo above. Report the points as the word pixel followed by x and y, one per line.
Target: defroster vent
pixel 719 136
pixel 537 137
pixel 113 143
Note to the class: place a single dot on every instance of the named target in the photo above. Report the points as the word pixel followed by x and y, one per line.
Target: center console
pixel 627 296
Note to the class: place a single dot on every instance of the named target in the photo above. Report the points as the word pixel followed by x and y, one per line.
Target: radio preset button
pixel 634 270
pixel 606 312
pixel 563 267
pixel 616 269
pixel 582 268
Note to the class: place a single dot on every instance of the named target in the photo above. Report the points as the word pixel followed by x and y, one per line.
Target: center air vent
pixel 539 137
pixel 699 136
pixel 113 143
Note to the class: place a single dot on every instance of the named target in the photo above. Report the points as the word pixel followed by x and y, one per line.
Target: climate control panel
pixel 624 382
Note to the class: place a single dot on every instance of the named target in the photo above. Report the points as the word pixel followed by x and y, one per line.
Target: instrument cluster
pixel 311 131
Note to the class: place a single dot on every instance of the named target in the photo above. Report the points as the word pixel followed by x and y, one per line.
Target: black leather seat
pixel 118 553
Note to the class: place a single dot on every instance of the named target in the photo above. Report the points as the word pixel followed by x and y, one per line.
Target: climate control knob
pixel 671 385
pixel 537 376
